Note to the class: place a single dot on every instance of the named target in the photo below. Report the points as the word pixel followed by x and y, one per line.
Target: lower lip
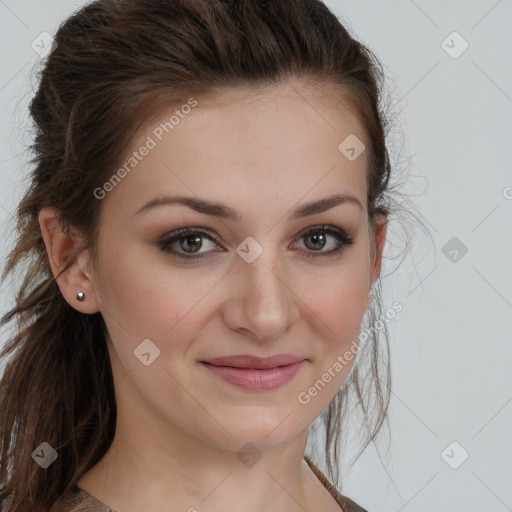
pixel 255 379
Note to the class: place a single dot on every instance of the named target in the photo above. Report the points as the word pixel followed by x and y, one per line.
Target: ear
pixel 381 229
pixel 64 248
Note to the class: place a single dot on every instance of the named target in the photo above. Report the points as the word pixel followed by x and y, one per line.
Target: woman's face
pixel 260 282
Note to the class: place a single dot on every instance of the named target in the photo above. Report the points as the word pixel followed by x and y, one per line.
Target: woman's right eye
pixel 189 241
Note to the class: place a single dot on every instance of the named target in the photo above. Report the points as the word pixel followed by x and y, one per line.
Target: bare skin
pixel 180 427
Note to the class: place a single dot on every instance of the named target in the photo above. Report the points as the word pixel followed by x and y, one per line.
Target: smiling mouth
pixel 255 378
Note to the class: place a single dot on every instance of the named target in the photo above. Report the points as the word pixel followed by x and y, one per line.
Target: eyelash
pixel 337 233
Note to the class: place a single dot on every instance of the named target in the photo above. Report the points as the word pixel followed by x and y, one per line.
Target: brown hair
pixel 115 64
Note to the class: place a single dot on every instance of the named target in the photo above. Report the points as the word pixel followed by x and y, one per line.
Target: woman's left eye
pixel 190 241
pixel 318 237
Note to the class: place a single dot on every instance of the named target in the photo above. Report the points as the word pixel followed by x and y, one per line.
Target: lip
pixel 255 362
pixel 251 372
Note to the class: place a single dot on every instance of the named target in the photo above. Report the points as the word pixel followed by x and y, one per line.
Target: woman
pixel 204 227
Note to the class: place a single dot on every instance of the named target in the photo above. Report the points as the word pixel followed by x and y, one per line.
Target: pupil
pixel 190 240
pixel 316 238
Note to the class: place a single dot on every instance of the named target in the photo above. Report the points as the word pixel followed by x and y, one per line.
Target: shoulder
pixel 79 500
pixel 72 501
pixel 350 505
pixel 75 500
pixel 345 503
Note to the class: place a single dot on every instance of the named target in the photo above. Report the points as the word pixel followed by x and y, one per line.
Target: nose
pixel 262 304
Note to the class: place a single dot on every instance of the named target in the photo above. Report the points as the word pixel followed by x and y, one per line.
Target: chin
pixel 253 441
pixel 265 432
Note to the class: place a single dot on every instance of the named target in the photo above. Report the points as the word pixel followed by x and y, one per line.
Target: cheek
pixel 339 300
pixel 144 298
pixel 339 307
pixel 136 296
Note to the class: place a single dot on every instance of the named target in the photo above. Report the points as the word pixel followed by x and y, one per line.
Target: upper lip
pixel 255 362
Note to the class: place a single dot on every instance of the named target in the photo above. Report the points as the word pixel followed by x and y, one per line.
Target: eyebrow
pixel 225 212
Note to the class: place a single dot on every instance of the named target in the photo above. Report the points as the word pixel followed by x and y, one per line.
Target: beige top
pixel 79 500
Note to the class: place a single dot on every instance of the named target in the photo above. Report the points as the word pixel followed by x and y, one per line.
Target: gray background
pixel 451 345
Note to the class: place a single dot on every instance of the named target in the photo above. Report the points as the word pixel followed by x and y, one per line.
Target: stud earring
pixel 80 296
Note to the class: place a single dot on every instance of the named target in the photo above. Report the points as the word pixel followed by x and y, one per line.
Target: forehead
pixel 275 139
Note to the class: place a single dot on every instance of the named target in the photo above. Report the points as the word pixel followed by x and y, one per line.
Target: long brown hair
pixel 115 64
